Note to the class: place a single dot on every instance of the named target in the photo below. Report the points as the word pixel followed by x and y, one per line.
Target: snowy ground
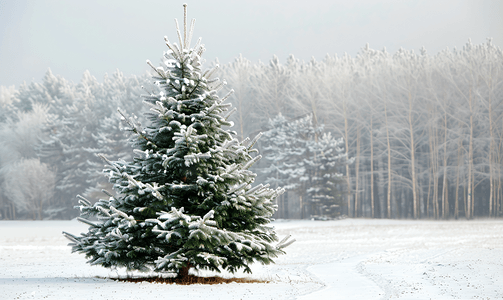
pixel 348 259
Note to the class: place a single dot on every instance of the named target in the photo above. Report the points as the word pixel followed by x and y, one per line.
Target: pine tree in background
pixel 84 113
pixel 6 102
pixel 277 141
pixel 307 161
pixel 326 164
pixel 26 184
pixel 186 200
pixel 108 138
pixel 286 146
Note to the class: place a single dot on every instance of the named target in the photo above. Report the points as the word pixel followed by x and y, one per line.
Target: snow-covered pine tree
pixel 26 184
pixel 7 101
pixel 325 166
pixel 277 141
pixel 109 139
pixel 286 146
pixel 306 160
pixel 186 200
pixel 85 121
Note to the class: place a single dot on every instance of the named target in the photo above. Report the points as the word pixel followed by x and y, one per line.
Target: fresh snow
pixel 347 259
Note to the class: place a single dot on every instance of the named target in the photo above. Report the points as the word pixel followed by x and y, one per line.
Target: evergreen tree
pixel 19 165
pixel 7 102
pixel 57 94
pixel 306 161
pixel 108 138
pixel 276 143
pixel 286 146
pixel 186 199
pixel 85 123
pixel 325 166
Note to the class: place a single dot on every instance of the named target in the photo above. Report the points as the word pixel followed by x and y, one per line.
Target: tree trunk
pixel 428 198
pixel 445 198
pixel 357 170
pixel 456 204
pixel 301 207
pixel 394 206
pixel 465 205
pixel 422 198
pixel 472 208
pixel 371 168
pixel 498 199
pixel 412 158
pixel 389 160
pixel 184 271
pixel 491 149
pixel 346 138
pixel 433 165
pixel 468 212
pixel 380 188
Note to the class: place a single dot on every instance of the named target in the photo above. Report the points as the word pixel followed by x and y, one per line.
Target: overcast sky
pixel 104 35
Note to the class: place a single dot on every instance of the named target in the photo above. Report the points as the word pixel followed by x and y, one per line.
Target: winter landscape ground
pixel 346 259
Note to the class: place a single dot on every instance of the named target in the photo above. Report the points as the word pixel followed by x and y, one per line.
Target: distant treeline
pixel 426 131
pixel 51 132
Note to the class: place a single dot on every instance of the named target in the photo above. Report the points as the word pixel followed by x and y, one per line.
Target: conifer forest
pixel 402 135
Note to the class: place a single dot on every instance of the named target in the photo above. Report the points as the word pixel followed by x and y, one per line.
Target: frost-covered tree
pixel 6 101
pixel 79 120
pixel 279 147
pixel 286 146
pixel 305 160
pixel 85 125
pixel 186 200
pixel 326 163
pixel 103 132
pixel 29 185
pixel 240 75
pixel 20 136
pixel 54 91
pixel 56 94
pixel 277 142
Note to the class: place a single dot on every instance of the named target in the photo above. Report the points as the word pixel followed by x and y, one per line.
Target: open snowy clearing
pixel 348 259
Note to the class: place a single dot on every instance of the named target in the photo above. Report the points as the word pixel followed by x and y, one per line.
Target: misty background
pixel 409 92
pixel 101 36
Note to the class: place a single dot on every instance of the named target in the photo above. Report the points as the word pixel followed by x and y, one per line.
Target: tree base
pixel 184 272
pixel 190 279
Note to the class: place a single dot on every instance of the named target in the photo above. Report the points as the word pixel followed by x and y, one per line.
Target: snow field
pixel 348 259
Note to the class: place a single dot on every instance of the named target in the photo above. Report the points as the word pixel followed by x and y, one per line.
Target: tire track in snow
pixel 343 281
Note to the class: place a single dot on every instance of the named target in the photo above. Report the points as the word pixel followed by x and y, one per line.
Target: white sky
pixel 104 35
